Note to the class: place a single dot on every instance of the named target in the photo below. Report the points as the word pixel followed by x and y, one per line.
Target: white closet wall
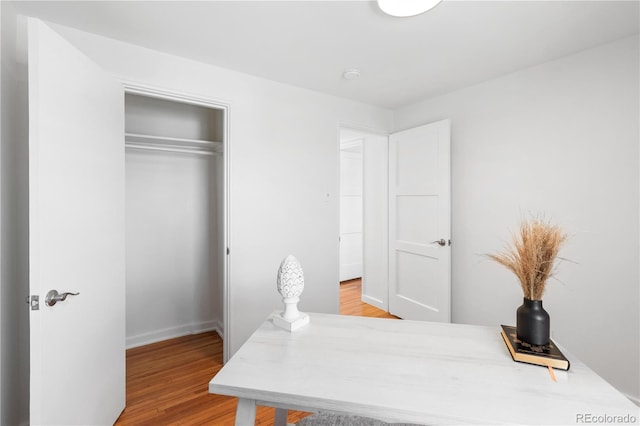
pixel 174 220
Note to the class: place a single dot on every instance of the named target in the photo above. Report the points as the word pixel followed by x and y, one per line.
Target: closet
pixel 174 218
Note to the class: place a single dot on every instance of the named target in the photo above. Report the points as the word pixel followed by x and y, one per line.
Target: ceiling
pixel 310 43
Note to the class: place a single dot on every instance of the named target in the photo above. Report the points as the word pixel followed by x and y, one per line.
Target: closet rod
pixel 137 137
pixel 167 149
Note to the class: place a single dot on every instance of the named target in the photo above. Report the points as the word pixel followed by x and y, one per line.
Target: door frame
pixel 137 88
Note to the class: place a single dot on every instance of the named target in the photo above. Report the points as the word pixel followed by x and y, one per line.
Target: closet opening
pixel 175 217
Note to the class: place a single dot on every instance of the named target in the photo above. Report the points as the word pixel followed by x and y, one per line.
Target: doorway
pixel 403 214
pixel 176 229
pixel 363 212
pixel 350 207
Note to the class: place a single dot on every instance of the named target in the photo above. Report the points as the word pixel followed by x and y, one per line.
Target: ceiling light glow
pixel 405 8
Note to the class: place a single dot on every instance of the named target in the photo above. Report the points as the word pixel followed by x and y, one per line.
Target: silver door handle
pixel 53 297
pixel 441 242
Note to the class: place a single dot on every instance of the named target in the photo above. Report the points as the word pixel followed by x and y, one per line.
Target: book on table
pixel 547 355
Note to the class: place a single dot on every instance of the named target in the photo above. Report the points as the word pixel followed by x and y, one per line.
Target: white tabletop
pixel 411 371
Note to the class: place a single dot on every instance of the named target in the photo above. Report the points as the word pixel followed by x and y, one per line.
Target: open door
pixel 76 235
pixel 420 223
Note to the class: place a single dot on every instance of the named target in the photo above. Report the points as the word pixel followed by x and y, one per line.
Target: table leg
pixel 246 412
pixel 281 417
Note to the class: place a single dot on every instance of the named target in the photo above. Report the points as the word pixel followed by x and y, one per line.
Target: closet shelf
pixel 169 144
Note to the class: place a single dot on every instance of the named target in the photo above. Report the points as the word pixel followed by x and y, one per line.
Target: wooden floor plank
pixel 167 382
pixel 351 303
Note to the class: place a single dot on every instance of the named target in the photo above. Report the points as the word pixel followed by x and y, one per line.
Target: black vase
pixel 532 323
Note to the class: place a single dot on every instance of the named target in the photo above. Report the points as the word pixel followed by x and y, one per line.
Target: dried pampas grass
pixel 532 254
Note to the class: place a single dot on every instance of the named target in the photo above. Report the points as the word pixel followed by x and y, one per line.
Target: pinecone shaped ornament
pixel 290 284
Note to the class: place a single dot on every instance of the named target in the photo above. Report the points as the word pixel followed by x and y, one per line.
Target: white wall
pixel 561 139
pixel 172 288
pixel 283 173
pixel 14 285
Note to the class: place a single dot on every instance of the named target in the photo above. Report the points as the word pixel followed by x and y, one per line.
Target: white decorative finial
pixel 290 284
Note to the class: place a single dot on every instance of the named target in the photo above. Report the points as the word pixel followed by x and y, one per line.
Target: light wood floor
pixel 350 303
pixel 167 382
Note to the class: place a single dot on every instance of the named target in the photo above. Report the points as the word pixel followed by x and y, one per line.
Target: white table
pixel 407 371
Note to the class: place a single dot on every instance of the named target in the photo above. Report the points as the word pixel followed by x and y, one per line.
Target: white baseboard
pixel 173 332
pixel 374 302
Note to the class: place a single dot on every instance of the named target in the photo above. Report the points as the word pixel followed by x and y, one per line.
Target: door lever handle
pixel 441 242
pixel 53 297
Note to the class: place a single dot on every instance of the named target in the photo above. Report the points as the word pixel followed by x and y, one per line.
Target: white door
pixel 419 223
pixel 351 211
pixel 76 235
